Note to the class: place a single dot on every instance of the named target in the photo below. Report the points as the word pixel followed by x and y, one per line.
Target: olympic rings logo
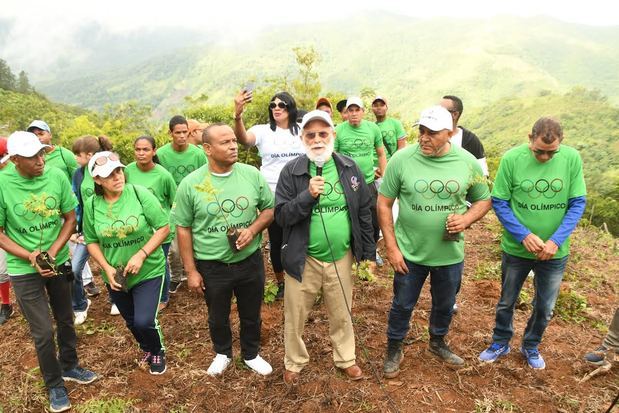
pixel 121 228
pixel 388 133
pixel 542 187
pixel 436 188
pixel 333 192
pixel 181 170
pixel 50 202
pixel 359 143
pixel 89 192
pixel 234 208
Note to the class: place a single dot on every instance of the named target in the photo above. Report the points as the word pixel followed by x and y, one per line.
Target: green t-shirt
pixel 10 166
pixel 205 202
pixel 538 193
pixel 359 143
pixel 62 159
pixel 391 130
pixel 429 189
pixel 158 181
pixel 125 226
pixel 51 194
pixel 181 164
pixel 87 188
pixel 336 218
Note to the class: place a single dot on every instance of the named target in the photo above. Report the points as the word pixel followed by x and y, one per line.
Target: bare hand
pixel 33 261
pixel 111 273
pixel 317 186
pixel 135 263
pixel 396 259
pixel 533 243
pixel 245 237
pixel 549 250
pixel 456 223
pixel 240 100
pixel 195 281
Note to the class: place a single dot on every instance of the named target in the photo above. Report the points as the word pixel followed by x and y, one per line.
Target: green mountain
pixel 413 62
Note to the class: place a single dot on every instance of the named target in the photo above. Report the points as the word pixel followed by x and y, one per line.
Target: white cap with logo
pixel 103 164
pixel 354 100
pixel 24 144
pixel 436 118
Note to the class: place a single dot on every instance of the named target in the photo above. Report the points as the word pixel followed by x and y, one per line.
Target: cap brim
pixel 106 169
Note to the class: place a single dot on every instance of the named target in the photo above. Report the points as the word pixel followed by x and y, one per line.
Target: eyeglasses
pixel 281 105
pixel 312 135
pixel 541 152
pixel 103 159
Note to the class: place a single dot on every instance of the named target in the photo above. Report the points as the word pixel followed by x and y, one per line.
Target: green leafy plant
pixel 111 405
pixel 270 292
pixel 120 231
pixel 571 306
pixel 364 272
pixel 39 206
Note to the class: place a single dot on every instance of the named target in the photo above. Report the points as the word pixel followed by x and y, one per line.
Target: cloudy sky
pixel 47 30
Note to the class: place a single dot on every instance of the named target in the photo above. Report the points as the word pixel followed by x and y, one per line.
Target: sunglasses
pixel 321 134
pixel 280 105
pixel 541 152
pixel 103 160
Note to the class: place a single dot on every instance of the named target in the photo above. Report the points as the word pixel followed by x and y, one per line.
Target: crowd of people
pixel 325 193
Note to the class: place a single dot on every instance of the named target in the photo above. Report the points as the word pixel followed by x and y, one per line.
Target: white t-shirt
pixel 276 148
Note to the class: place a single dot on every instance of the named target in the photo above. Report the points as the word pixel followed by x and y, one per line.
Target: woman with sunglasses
pixel 278 142
pixel 124 226
pixel 83 148
pixel 147 172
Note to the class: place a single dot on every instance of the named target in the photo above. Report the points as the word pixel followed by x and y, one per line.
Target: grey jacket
pixel 293 211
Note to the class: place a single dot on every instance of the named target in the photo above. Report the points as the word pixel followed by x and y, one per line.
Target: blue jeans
pixel 547 281
pixel 165 293
pixel 78 261
pixel 444 285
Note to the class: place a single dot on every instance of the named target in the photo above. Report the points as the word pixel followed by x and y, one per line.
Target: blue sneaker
pixel 534 358
pixel 379 260
pixel 492 353
pixel 79 375
pixel 58 400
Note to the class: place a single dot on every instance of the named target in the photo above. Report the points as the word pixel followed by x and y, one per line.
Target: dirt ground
pixel 424 385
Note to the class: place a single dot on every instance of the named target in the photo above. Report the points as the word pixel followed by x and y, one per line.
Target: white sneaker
pixel 114 310
pixel 81 316
pixel 218 365
pixel 260 366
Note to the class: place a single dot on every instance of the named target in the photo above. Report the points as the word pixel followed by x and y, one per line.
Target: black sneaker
pixel 391 367
pixel 597 357
pixel 157 364
pixel 280 291
pixel 6 310
pixel 174 286
pixel 91 289
pixel 441 349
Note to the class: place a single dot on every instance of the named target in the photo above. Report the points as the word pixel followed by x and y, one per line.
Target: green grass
pixel 111 405
pixel 571 307
pixel 487 271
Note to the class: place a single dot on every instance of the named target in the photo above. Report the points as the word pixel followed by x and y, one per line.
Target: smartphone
pixel 249 87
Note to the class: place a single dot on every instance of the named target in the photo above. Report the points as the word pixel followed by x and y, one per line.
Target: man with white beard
pixel 323 205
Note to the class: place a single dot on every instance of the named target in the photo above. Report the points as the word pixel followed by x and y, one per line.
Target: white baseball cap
pixel 436 118
pixel 24 144
pixel 354 100
pixel 39 124
pixel 316 115
pixel 103 164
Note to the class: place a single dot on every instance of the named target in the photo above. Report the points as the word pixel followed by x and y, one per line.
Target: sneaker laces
pixel 495 347
pixel 532 353
pixel 155 359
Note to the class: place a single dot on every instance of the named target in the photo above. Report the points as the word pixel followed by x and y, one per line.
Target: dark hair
pixel 206 133
pixel 291 107
pixel 548 129
pixel 177 120
pixel 300 114
pixel 153 145
pixel 341 105
pixel 458 106
pixel 91 144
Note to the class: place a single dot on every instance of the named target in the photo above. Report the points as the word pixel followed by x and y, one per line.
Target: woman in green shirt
pixel 125 240
pixel 147 172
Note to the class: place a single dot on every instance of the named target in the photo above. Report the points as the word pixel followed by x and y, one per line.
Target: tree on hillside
pixel 7 78
pixel 23 84
pixel 306 88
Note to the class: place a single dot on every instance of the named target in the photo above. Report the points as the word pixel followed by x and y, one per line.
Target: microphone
pixel 320 162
